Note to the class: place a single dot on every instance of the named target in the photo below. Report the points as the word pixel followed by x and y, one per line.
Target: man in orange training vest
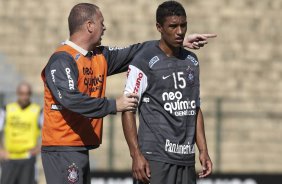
pixel 74 95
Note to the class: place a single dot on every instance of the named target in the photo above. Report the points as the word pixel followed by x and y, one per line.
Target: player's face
pixel 173 30
pixel 24 94
pixel 98 28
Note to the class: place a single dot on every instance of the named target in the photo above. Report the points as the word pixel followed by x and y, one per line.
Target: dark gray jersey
pixel 169 96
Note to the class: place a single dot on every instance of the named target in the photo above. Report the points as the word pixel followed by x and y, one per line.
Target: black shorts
pixel 18 171
pixel 66 167
pixel 164 173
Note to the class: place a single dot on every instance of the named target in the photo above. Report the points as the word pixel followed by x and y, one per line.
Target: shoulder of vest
pixel 34 108
pixel 68 49
pixel 34 105
pixel 13 104
pixel 11 107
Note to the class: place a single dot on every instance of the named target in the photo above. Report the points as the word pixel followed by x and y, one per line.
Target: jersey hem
pixel 68 148
pixel 170 161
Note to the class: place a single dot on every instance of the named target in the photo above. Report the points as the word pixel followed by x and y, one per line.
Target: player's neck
pixel 81 42
pixel 168 49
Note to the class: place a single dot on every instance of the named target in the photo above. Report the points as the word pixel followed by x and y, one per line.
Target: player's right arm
pixel 61 75
pixel 140 166
pixel 136 83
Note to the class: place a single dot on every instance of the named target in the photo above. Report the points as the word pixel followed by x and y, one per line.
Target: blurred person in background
pixel 20 124
pixel 166 78
pixel 74 94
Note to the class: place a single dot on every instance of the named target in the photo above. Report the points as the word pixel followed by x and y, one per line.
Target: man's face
pixel 98 29
pixel 173 30
pixel 24 94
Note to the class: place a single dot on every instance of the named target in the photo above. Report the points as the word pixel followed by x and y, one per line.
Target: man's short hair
pixel 24 84
pixel 167 9
pixel 79 14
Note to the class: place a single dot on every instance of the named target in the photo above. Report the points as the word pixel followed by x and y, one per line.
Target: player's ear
pixel 159 27
pixel 90 26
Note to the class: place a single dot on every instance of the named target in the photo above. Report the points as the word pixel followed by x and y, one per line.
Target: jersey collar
pixel 76 47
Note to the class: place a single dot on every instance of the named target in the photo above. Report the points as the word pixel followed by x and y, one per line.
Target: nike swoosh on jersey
pixel 165 77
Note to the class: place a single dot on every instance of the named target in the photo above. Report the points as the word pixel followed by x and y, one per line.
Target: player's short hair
pixel 24 84
pixel 79 14
pixel 167 9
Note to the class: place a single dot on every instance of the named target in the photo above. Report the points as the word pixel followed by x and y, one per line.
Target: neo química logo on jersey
pixel 176 105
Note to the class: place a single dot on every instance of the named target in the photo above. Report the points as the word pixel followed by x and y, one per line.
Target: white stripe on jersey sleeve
pixel 136 81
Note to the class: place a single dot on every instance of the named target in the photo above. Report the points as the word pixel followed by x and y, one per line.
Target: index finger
pixel 209 35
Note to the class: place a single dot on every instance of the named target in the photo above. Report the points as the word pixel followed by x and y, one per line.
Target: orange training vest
pixel 66 128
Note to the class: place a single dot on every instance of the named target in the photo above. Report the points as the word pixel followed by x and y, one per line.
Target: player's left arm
pixel 202 145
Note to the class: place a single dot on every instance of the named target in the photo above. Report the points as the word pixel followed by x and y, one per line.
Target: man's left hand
pixel 36 150
pixel 196 41
pixel 4 155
